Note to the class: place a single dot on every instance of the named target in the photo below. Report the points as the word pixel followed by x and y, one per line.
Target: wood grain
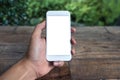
pixel 97 53
pixel 13 46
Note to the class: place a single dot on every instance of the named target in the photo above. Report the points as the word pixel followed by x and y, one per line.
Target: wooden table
pixel 97 53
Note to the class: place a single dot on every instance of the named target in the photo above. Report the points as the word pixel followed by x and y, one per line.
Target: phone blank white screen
pixel 58 35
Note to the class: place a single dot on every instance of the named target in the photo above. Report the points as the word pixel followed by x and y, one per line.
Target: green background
pixel 83 12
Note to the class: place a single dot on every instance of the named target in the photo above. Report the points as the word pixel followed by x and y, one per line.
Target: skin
pixel 34 64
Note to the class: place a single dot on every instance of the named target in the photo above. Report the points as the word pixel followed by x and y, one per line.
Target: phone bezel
pixel 57 57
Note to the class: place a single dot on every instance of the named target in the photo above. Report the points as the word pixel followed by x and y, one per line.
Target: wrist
pixel 23 70
pixel 30 67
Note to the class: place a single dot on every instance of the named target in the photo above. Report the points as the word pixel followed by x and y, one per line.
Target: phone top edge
pixel 58 13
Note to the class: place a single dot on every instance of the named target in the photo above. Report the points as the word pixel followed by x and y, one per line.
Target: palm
pixel 38 57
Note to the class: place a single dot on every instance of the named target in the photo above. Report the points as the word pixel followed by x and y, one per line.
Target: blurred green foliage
pixel 31 12
pixel 13 12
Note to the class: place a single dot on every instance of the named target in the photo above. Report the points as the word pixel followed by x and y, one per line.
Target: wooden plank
pixel 95 69
pixel 97 53
pixel 16 29
pixel 13 46
pixel 14 38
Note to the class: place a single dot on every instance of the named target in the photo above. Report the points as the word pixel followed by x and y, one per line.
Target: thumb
pixel 38 30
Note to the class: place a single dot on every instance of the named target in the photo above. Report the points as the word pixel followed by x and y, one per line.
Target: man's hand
pixel 34 64
pixel 37 55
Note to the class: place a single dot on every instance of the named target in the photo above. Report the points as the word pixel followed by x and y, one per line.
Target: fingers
pixel 58 63
pixel 73 41
pixel 73 51
pixel 38 30
pixel 73 29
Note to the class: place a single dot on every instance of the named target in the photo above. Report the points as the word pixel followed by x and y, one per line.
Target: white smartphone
pixel 58 36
